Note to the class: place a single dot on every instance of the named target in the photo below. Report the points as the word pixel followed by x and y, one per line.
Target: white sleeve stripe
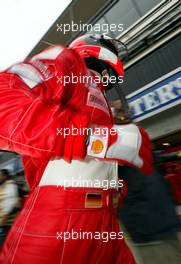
pixel 51 54
pixel 27 72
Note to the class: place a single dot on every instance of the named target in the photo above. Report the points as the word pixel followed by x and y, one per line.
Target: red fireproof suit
pixel 34 102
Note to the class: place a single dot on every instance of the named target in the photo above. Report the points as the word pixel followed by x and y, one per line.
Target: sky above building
pixel 22 25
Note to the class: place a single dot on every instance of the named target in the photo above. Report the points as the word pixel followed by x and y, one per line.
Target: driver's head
pixel 101 54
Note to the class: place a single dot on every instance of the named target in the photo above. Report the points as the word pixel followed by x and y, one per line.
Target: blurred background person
pixel 9 203
pixel 170 165
pixel 148 213
pixel 149 217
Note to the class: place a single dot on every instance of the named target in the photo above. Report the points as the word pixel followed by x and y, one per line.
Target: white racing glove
pixel 127 144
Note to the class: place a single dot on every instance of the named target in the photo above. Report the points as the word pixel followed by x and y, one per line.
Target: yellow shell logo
pixel 97 146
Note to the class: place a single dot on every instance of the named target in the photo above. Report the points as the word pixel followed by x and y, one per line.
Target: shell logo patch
pixel 97 146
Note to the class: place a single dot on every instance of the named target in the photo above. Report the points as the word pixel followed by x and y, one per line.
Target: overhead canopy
pixel 78 12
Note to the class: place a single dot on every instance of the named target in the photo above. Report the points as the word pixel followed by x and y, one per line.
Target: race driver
pixel 69 211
